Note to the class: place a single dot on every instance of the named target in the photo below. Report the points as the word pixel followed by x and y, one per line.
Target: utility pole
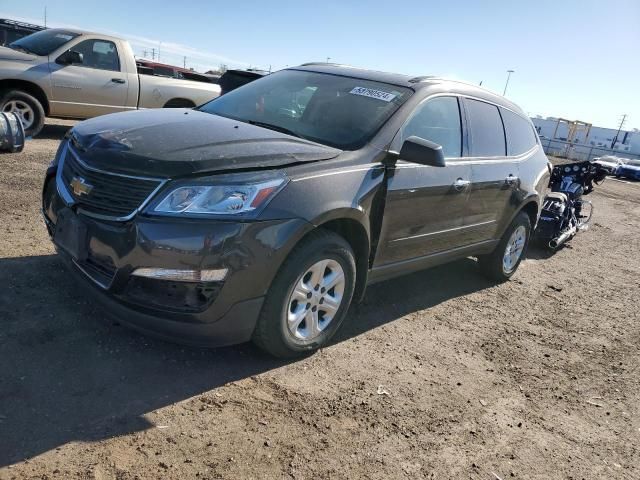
pixel 45 17
pixel 159 46
pixel 153 54
pixel 328 58
pixel 615 139
pixel 184 61
pixel 509 72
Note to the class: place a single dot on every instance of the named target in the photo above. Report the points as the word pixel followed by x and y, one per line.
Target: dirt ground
pixel 439 374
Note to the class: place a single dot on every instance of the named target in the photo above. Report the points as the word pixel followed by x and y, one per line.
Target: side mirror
pixel 70 57
pixel 418 150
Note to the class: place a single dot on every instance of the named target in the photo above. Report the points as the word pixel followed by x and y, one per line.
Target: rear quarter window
pixel 485 128
pixel 520 136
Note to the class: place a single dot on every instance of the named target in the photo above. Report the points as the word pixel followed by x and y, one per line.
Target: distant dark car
pixel 232 79
pixel 12 30
pixel 629 169
pixel 261 214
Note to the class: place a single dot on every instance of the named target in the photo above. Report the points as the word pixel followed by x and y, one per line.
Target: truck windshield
pixel 341 112
pixel 43 42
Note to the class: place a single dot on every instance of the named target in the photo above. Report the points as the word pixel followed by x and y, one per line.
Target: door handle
pixel 511 179
pixel 461 184
pixel 118 80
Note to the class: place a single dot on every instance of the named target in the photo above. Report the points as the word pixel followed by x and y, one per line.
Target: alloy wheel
pixel 23 110
pixel 315 300
pixel 515 247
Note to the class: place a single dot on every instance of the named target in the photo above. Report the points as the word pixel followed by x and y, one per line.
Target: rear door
pixel 494 174
pixel 425 205
pixel 97 86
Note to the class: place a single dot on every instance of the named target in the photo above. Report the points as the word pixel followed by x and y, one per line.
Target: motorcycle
pixel 564 211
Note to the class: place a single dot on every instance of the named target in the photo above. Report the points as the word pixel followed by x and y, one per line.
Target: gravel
pixel 534 378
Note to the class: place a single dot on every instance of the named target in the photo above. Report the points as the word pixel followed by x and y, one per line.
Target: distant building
pixel 12 30
pixel 627 142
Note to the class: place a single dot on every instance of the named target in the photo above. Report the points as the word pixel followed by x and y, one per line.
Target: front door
pixel 95 87
pixel 425 205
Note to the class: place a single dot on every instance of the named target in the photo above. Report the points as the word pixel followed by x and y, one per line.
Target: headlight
pixel 234 194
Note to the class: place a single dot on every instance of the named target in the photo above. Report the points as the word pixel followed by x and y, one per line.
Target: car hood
pixel 180 142
pixel 10 54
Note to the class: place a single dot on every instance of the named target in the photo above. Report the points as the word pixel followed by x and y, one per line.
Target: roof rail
pixel 424 78
pixel 309 64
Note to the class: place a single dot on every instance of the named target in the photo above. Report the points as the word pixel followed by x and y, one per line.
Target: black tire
pixel 272 333
pixel 38 111
pixel 492 265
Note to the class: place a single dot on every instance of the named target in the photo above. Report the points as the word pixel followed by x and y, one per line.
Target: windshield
pixel 43 42
pixel 341 112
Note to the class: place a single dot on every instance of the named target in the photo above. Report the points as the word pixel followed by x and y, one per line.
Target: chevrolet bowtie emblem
pixel 80 186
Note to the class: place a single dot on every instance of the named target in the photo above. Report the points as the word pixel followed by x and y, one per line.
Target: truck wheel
pixel 28 109
pixel 502 263
pixel 309 297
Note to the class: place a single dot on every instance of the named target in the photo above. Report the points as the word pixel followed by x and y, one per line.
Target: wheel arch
pixel 355 233
pixel 179 103
pixel 28 87
pixel 531 208
pixel 352 225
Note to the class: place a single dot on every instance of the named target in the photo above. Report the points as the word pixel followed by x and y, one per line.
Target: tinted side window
pixel 520 135
pixel 100 54
pixel 438 120
pixel 485 127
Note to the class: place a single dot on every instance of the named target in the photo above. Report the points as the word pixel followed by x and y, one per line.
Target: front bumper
pixel 207 314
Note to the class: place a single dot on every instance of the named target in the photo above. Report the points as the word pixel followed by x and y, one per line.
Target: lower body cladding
pixel 239 258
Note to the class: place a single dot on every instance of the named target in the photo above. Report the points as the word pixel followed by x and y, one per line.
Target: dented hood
pixel 180 142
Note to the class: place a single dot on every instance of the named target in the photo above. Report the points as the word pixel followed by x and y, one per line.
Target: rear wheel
pixel 26 107
pixel 502 263
pixel 309 297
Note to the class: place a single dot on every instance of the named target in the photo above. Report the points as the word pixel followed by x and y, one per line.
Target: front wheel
pixel 502 263
pixel 309 297
pixel 26 107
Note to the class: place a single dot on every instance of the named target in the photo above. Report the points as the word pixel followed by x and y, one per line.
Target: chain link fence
pixel 573 151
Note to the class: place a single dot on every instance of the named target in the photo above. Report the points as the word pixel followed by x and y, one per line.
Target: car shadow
pixel 541 252
pixel 52 132
pixel 67 377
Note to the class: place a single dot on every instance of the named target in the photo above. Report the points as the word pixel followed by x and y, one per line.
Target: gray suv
pixel 264 213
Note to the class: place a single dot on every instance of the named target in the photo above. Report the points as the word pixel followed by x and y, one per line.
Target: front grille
pixel 109 195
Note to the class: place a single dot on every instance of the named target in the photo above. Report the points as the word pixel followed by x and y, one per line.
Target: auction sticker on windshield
pixel 371 93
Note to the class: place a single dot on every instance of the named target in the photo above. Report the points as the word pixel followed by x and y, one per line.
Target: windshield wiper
pixel 277 128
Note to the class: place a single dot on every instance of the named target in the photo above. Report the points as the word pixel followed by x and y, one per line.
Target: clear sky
pixel 578 59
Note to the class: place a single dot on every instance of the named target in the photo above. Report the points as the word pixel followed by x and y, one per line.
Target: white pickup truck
pixel 74 74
